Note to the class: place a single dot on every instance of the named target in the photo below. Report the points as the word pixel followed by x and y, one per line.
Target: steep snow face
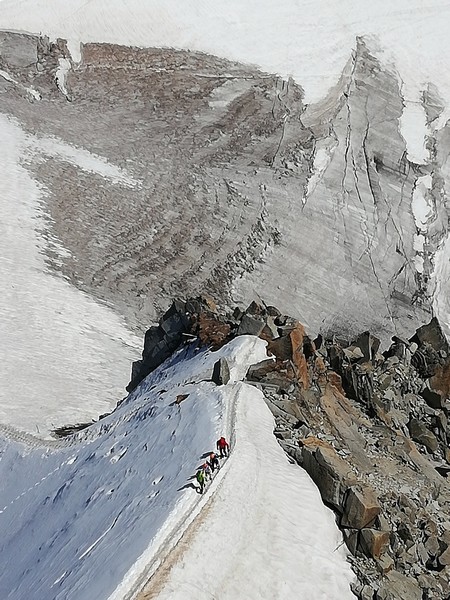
pixel 94 517
pixel 65 357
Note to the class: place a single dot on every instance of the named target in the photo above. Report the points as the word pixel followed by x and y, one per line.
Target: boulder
pixel 366 593
pixel 447 455
pixel 255 308
pixel 272 311
pixel 176 320
pixel 152 337
pixel 328 470
pixel 432 398
pixel 368 345
pixel 351 540
pixel 396 586
pixel 444 558
pixel 353 353
pixel 221 372
pixel 431 334
pixel 251 325
pixel 212 331
pixel 289 347
pixel 384 564
pixel 372 542
pixel 440 382
pixel 360 509
pixel 260 370
pixel 422 435
pixel 432 546
pixel 270 330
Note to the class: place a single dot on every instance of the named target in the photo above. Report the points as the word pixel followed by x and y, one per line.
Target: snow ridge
pixel 107 510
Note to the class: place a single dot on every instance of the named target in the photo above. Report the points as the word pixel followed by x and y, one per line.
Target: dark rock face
pixel 221 372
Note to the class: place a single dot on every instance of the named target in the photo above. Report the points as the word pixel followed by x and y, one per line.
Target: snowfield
pixel 311 41
pixel 75 352
pixel 94 517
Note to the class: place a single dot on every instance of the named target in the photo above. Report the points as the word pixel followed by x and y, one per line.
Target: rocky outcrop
pixel 366 426
pixel 361 424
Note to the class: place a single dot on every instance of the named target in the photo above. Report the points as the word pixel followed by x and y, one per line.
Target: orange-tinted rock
pixel 361 508
pixel 336 381
pixel 297 337
pixel 290 348
pixel 373 542
pixel 440 382
pixel 211 331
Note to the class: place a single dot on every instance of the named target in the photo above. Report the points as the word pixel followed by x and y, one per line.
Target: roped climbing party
pixel 206 470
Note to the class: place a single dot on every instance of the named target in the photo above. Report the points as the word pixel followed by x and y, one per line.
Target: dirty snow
pixel 61 74
pixel 413 127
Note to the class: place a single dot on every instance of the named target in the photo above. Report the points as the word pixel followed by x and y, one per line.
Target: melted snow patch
pixel 422 206
pixel 322 159
pixel 423 212
pixel 414 130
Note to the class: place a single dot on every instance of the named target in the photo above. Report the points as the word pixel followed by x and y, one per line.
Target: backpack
pixel 200 476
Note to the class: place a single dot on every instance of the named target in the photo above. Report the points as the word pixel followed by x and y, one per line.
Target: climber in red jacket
pixel 223 447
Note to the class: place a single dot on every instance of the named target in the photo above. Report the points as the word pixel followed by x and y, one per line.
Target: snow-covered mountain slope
pixel 87 519
pixel 65 358
pixel 310 41
pixel 160 173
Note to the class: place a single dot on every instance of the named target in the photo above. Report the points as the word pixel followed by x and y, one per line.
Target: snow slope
pixel 309 40
pixel 65 358
pixel 266 534
pixel 79 520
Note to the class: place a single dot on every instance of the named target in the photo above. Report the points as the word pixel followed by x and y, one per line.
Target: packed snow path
pixel 265 534
pixel 92 519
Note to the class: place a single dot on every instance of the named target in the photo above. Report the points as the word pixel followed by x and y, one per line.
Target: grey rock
pixel 421 434
pixel 367 593
pixel 373 542
pixel 329 472
pixel 431 334
pixel 361 508
pixel 351 539
pixel 250 325
pixel 444 558
pixel 18 50
pixel 221 372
